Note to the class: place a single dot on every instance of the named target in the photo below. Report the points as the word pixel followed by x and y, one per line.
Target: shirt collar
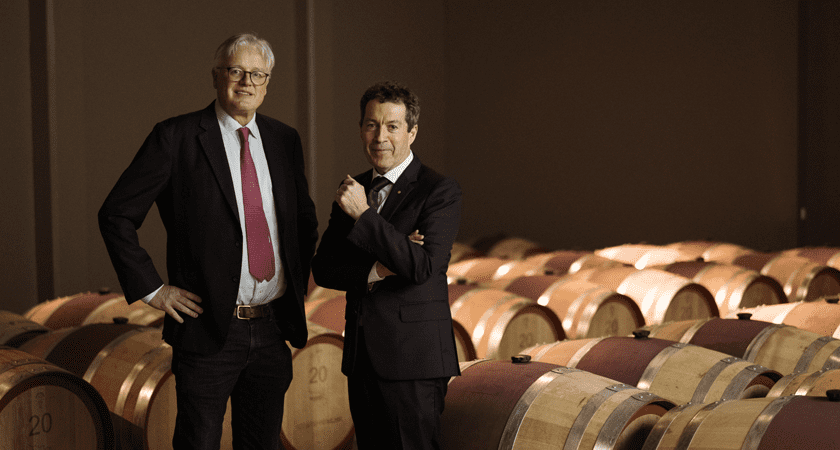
pixel 230 125
pixel 394 174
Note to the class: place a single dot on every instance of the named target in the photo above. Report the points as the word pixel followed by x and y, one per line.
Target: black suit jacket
pixel 182 166
pixel 406 319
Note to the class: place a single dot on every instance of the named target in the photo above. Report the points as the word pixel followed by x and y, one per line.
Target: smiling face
pixel 385 135
pixel 240 99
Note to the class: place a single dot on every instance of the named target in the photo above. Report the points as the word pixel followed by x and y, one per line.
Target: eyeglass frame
pixel 245 72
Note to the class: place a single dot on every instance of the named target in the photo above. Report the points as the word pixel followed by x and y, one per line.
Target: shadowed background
pixel 576 124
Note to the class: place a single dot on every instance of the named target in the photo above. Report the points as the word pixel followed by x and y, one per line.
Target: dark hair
pixel 389 91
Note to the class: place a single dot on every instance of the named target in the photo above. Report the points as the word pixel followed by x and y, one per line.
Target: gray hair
pixel 230 46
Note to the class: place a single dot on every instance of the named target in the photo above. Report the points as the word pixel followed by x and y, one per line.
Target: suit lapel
pixel 214 149
pixel 404 185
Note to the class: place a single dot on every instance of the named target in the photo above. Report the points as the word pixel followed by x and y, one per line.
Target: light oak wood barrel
pixel 502 405
pixel 480 270
pixel 320 293
pixel 501 324
pixel 317 411
pixel 130 366
pixel 801 278
pixel 733 287
pixel 586 309
pixel 679 372
pixel 68 311
pixel 723 252
pixel 662 296
pixel 784 423
pixel 515 248
pixel 829 256
pixel 43 406
pixel 88 308
pixel 461 252
pixel 821 316
pixel 807 383
pixel 329 312
pixel 16 329
pixel 641 256
pixel 783 348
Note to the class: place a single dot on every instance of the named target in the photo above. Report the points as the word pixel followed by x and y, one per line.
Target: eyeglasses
pixel 257 77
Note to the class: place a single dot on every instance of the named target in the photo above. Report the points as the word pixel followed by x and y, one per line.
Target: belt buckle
pixel 240 308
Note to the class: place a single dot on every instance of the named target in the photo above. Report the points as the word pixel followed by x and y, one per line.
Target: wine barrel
pixel 679 372
pixel 533 405
pixel 783 348
pixel 461 252
pixel 662 296
pixel 801 278
pixel 68 311
pixel 329 313
pixel 317 411
pixel 783 423
pixel 88 308
pixel 829 256
pixel 475 270
pixel 43 406
pixel 515 248
pixel 130 366
pixel 723 252
pixel 733 287
pixel 586 309
pixel 319 293
pixel 808 383
pixel 821 316
pixel 499 323
pixel 640 256
pixel 16 329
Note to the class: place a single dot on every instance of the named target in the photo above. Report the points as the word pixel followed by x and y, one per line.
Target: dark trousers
pixel 394 414
pixel 254 370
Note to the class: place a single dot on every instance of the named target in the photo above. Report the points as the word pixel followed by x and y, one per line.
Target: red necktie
pixel 260 252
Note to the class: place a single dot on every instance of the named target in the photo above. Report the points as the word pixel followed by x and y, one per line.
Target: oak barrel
pixel 475 270
pixel 586 309
pixel 733 287
pixel 807 383
pixel 43 406
pixel 16 329
pixel 679 372
pixel 501 324
pixel 662 296
pixel 801 278
pixel 130 366
pixel 783 348
pixel 821 316
pixel 533 405
pixel 93 307
pixel 783 423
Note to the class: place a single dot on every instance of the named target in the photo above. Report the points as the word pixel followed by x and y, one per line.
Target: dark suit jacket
pixel 182 166
pixel 406 319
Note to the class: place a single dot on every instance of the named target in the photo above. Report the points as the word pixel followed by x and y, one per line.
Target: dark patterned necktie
pixel 373 195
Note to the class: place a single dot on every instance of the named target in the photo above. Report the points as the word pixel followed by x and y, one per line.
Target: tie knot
pixel 245 132
pixel 379 183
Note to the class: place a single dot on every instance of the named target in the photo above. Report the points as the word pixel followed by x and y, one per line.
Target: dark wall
pixel 591 124
pixel 577 124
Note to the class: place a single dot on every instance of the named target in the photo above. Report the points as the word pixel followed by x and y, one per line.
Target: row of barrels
pixel 89 371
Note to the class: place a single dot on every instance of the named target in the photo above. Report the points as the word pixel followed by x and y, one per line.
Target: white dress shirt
pixel 251 291
pixel 392 176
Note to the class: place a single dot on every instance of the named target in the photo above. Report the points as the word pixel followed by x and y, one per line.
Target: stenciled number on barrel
pixel 40 424
pixel 317 374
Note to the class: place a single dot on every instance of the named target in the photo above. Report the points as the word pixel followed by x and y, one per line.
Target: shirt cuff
pixel 373 276
pixel 149 297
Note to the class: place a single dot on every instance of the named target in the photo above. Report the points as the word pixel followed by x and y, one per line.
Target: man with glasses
pixel 241 230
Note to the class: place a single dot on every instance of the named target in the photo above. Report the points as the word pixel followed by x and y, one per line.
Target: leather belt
pixel 247 312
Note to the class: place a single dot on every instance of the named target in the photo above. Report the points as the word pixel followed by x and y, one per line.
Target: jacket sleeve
pixel 338 263
pixel 125 209
pixel 438 220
